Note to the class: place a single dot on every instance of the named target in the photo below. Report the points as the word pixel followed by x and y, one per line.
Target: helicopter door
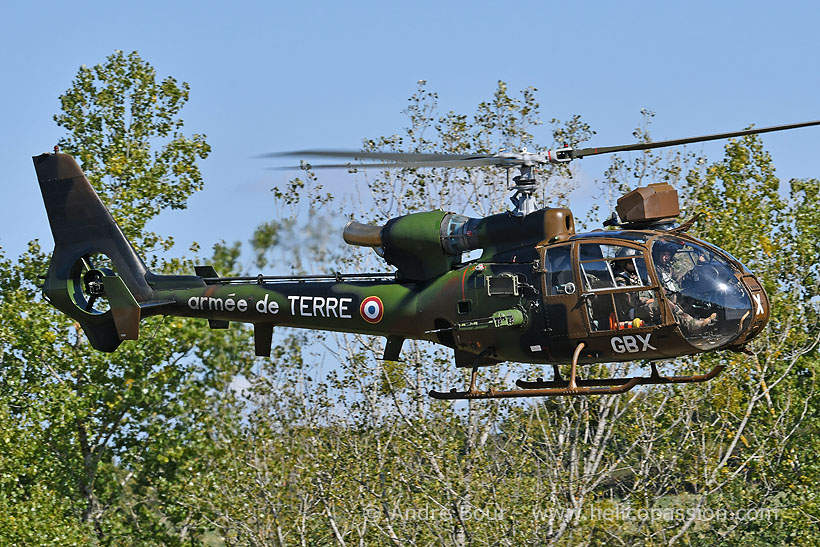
pixel 563 320
pixel 616 288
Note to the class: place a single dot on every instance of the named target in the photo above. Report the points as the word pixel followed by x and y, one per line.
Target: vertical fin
pixel 205 271
pixel 82 226
pixel 262 339
pixel 392 349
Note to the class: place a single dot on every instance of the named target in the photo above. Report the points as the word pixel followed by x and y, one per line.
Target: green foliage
pixel 776 235
pixel 185 438
pixel 115 113
pixel 364 456
pixel 107 441
pixel 503 123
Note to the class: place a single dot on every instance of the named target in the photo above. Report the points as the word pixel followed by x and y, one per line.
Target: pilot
pixel 625 274
pixel 663 253
pixel 624 270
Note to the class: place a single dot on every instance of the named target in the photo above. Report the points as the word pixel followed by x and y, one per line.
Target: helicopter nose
pixel 760 308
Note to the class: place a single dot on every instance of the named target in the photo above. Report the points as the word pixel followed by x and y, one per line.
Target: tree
pixel 111 439
pixel 767 413
pixel 359 454
pixel 329 445
pixel 115 114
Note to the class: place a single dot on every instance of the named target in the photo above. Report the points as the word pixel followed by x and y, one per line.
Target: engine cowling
pixel 425 245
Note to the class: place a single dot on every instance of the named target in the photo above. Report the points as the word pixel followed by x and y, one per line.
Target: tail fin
pixel 83 227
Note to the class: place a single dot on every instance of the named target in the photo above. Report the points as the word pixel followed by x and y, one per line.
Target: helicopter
pixel 643 290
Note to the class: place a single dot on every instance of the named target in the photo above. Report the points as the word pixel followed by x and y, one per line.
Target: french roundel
pixel 372 309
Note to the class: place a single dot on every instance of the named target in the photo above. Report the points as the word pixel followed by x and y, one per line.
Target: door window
pixel 617 287
pixel 559 270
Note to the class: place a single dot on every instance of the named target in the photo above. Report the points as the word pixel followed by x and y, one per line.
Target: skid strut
pixel 558 386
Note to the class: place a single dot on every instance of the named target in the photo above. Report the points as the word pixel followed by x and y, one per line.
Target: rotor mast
pixel 524 187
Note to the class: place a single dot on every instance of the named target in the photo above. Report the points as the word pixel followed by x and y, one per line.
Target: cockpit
pixel 634 279
pixel 704 291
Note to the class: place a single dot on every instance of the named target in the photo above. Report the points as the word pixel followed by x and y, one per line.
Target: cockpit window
pixel 610 266
pixel 616 282
pixel 742 265
pixel 559 270
pixel 706 297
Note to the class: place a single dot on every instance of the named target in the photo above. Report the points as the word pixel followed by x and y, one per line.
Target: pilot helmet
pixel 627 252
pixel 661 247
pixel 624 253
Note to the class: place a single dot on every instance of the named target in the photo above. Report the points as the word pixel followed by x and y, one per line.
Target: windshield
pixel 709 302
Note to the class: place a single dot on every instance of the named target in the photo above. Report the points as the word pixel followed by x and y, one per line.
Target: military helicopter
pixel 539 292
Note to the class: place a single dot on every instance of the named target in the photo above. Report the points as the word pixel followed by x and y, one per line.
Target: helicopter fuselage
pixel 539 293
pixel 533 309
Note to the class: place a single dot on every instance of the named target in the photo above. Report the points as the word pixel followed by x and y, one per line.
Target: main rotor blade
pixel 360 155
pixel 393 160
pixel 580 153
pixel 466 162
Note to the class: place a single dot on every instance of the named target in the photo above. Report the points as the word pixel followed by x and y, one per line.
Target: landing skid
pixel 559 387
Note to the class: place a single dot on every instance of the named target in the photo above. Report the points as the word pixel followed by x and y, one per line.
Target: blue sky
pixel 272 76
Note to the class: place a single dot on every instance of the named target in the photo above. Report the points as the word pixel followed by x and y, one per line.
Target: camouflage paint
pixel 495 309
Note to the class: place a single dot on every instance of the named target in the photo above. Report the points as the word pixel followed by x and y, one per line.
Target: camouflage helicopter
pixel 539 292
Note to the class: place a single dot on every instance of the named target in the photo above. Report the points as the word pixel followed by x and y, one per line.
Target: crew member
pixel 663 253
